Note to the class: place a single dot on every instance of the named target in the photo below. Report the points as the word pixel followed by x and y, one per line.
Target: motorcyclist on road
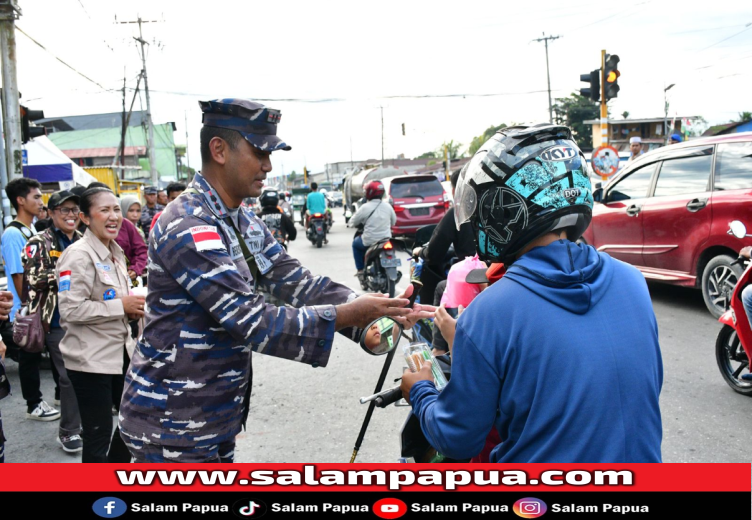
pixel 746 252
pixel 561 355
pixel 280 225
pixel 377 219
pixel 315 203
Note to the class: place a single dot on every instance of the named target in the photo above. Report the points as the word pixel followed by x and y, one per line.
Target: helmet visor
pixel 465 197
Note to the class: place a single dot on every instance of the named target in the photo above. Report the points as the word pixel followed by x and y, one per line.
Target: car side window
pixel 634 186
pixel 684 175
pixel 733 166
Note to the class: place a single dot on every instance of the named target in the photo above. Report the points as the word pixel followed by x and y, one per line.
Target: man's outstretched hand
pixel 367 308
pixel 418 312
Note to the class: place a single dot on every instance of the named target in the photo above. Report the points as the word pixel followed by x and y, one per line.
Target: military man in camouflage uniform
pixel 150 209
pixel 188 385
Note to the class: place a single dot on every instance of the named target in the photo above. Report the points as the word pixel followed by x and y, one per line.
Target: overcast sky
pixel 344 60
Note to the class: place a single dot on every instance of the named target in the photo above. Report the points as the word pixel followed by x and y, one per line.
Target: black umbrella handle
pixel 372 404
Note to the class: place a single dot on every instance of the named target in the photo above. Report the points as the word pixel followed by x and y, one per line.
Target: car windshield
pixel 416 188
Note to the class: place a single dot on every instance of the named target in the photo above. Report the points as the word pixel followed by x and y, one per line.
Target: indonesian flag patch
pixel 207 238
pixel 64 283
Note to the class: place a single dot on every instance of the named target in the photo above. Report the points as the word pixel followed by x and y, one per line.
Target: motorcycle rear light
pixel 317 215
pixel 388 245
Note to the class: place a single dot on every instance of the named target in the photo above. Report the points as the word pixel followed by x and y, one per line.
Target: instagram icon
pixel 530 507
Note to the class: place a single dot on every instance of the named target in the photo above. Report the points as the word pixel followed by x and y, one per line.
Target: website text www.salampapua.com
pixel 395 480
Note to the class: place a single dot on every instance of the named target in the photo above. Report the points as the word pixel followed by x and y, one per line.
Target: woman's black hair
pixel 87 198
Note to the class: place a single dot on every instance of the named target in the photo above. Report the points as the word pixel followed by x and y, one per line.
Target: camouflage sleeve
pixel 210 277
pixel 294 284
pixel 39 270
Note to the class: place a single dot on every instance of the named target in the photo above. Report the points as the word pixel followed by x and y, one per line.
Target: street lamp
pixel 665 114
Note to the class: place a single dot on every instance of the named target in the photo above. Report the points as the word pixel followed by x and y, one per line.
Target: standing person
pixel 174 189
pixel 162 198
pixel 6 304
pixel 151 209
pixel 188 386
pixel 133 244
pixel 41 256
pixel 561 355
pixel 130 207
pixel 26 197
pixel 95 306
pixel 377 220
pixel 280 225
pixel 635 146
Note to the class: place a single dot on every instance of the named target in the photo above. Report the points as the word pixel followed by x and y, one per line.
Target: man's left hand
pixel 6 304
pixel 410 378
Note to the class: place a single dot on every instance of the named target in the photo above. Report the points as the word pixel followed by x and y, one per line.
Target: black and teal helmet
pixel 523 183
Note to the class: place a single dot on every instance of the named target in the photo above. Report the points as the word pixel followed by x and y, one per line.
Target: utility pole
pixel 382 136
pixel 188 157
pixel 149 124
pixel 604 106
pixel 548 73
pixel 9 12
pixel 122 132
pixel 665 113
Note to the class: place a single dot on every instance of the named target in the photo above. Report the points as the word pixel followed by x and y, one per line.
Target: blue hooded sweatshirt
pixel 562 357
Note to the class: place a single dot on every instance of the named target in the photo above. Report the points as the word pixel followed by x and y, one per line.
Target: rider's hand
pixel 418 311
pixel 446 324
pixel 416 251
pixel 367 308
pixel 746 252
pixel 410 378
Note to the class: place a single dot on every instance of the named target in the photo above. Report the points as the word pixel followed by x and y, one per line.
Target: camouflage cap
pixel 255 122
pixel 61 196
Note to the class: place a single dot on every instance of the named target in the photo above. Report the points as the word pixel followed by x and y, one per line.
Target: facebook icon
pixel 109 507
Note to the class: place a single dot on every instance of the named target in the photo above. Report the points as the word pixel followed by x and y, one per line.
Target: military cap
pixel 150 190
pixel 255 122
pixel 57 198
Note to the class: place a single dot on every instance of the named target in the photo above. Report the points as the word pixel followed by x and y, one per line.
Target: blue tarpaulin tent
pixel 47 163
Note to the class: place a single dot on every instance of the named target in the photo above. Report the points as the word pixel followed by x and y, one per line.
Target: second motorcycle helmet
pixel 269 198
pixel 521 184
pixel 374 190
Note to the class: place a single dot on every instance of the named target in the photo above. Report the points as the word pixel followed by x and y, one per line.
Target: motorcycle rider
pixel 377 219
pixel 315 203
pixel 280 225
pixel 746 252
pixel 561 355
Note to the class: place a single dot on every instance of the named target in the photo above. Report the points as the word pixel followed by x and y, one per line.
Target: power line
pixel 746 27
pixel 87 78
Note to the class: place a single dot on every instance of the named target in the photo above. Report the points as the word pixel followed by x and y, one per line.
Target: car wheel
pixel 718 281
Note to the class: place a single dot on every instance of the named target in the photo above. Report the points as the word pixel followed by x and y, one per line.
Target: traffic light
pixel 594 90
pixel 611 76
pixel 29 132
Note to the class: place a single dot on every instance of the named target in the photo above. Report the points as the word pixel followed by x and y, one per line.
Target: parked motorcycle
pixel 317 229
pixel 733 347
pixel 414 445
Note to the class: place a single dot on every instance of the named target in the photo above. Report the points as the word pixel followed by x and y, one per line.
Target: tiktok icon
pixel 249 508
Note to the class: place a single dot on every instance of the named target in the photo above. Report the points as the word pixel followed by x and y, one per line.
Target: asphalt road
pixel 302 414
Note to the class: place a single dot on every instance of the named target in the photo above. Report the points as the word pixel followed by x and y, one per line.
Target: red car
pixel 668 214
pixel 418 200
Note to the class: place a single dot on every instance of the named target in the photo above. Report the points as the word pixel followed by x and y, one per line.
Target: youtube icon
pixel 389 508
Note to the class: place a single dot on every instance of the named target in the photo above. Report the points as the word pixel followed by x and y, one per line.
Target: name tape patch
pixel 207 238
pixel 64 283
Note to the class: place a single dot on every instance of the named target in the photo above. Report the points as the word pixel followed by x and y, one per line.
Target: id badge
pixel 263 263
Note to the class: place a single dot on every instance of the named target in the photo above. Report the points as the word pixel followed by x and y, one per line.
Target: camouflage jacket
pixel 191 369
pixel 40 257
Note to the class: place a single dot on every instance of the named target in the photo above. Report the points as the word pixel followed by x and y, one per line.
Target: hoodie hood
pixel 572 276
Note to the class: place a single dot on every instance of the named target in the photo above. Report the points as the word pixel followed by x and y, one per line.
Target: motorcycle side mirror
pixel 381 336
pixel 598 192
pixel 738 229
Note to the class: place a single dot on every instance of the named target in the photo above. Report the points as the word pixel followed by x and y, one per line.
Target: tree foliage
pixel 428 155
pixel 745 116
pixel 573 111
pixel 478 141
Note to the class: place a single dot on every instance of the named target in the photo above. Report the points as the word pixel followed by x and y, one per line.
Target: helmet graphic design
pixel 524 182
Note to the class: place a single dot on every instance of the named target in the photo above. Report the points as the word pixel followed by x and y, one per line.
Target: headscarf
pixel 126 203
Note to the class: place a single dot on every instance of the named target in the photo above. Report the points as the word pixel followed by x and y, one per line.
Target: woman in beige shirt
pixel 95 306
